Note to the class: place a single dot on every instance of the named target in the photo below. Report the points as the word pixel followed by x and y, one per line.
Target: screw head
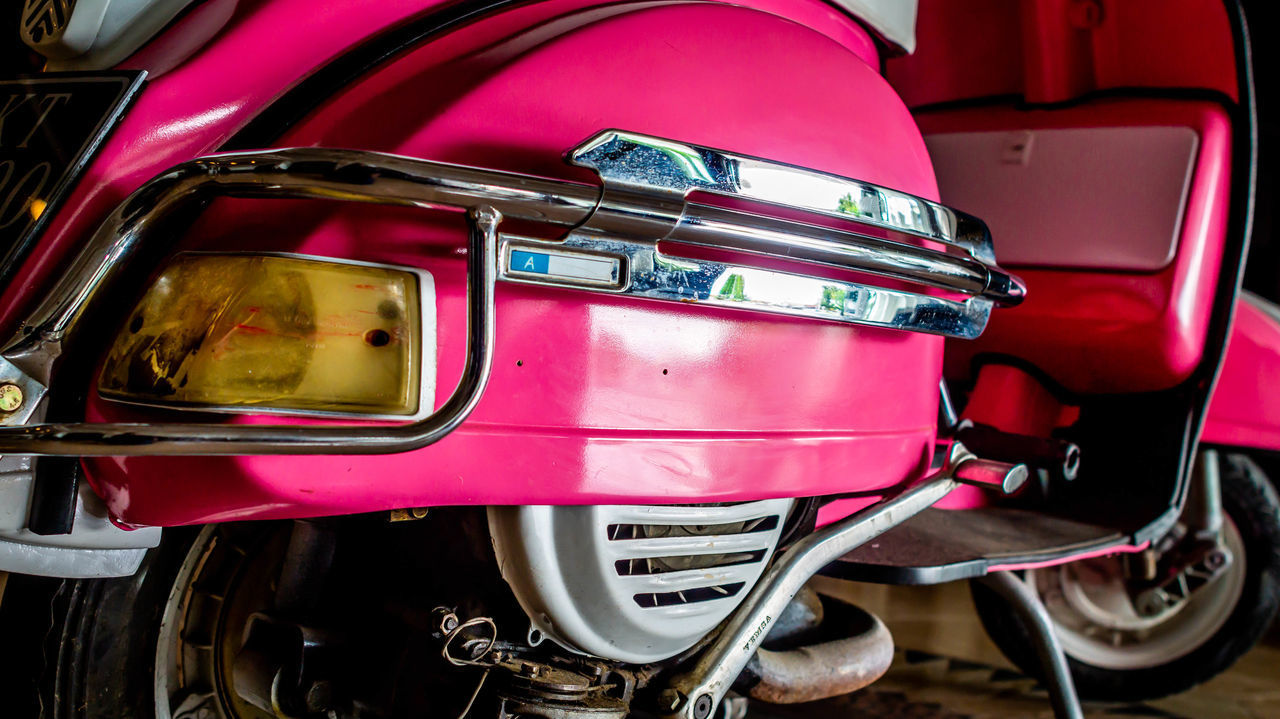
pixel 1149 605
pixel 1216 559
pixel 702 707
pixel 10 397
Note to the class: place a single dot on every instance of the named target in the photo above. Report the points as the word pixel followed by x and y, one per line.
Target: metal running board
pixel 944 545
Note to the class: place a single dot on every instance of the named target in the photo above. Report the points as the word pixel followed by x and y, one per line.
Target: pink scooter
pixel 532 359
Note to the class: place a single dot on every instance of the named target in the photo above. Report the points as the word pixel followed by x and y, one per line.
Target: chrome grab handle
pixel 651 172
pixel 614 232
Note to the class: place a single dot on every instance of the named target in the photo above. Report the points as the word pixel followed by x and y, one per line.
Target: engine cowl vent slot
pixel 658 565
pixel 688 596
pixel 636 583
pixel 696 577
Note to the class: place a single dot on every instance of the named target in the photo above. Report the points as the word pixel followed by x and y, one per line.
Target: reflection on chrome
pixel 640 161
pixel 782 293
pixel 647 180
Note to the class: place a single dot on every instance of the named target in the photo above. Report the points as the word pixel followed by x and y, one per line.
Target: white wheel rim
pixel 1097 624
pixel 179 659
pixel 166 648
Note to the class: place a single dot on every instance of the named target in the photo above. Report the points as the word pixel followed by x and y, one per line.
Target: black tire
pixel 85 649
pixel 1249 499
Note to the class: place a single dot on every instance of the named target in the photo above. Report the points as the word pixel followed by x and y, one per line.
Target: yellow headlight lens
pixel 263 333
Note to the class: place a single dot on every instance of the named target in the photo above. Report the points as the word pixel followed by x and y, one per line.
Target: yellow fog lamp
pixel 278 334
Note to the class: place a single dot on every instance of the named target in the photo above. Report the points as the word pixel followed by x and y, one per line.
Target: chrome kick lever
pixel 969 469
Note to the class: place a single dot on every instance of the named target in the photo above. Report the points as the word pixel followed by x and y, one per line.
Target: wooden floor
pixel 946 668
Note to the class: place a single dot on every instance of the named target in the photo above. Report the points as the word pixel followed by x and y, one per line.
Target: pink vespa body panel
pixel 1245 409
pixel 594 399
pixel 1105 331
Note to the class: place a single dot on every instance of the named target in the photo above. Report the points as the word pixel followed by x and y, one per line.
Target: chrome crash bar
pixel 611 247
pixel 696 693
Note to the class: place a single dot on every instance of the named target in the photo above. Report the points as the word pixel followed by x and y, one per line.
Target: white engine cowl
pixel 634 583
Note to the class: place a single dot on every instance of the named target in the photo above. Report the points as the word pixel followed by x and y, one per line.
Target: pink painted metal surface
pixel 594 399
pixel 1245 408
pixel 1009 399
pixel 1100 332
pixel 1053 51
pixel 1119 548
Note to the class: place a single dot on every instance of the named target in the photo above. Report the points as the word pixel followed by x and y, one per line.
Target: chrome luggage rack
pixel 611 247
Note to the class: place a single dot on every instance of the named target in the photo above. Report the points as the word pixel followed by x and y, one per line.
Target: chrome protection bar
pixel 611 247
pixel 696 693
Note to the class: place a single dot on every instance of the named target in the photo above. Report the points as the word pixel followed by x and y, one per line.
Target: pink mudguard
pixel 1245 409
pixel 592 399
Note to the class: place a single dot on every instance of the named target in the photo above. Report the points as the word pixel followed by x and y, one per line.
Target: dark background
pixel 1262 273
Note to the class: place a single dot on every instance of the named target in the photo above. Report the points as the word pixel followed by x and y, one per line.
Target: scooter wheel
pixel 1119 654
pixel 86 648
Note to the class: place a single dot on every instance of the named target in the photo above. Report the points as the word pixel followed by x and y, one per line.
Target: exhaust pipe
pixel 859 655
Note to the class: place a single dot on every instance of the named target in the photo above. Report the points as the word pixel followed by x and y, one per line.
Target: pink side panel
pixel 1010 399
pixel 594 399
pixel 1245 409
pixel 1099 332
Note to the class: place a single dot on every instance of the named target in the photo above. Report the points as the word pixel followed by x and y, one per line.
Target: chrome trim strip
pixel 647 164
pixel 653 275
pixel 623 220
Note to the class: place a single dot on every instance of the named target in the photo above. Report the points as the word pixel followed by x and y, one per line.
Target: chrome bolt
pixel 10 397
pixel 1216 559
pixel 1150 603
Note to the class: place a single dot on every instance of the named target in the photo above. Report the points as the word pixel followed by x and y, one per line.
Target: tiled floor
pixel 946 668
